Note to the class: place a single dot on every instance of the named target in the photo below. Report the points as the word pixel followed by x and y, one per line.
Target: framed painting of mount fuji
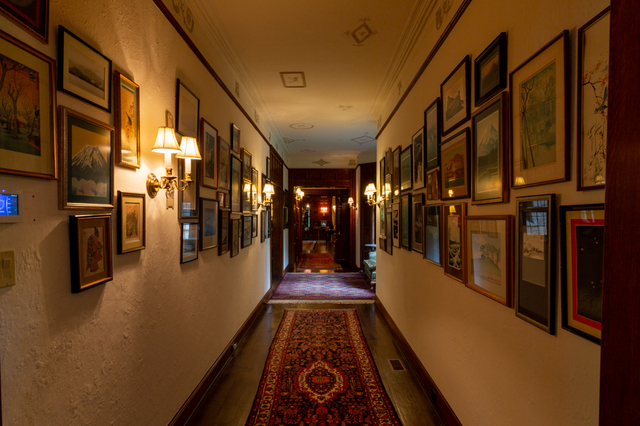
pixel 86 162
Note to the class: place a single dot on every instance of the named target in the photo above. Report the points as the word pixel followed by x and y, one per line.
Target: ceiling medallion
pixel 321 162
pixel 293 79
pixel 301 126
pixel 362 33
pixel 363 139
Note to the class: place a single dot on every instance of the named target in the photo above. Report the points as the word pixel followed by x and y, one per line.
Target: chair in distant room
pixel 370 268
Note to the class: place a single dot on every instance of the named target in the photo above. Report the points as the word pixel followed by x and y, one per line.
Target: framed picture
pixel 455 93
pixel 593 101
pixel 395 223
pixel 254 225
pixel 127 119
pixel 223 227
pixel 417 223
pixel 254 189
pixel 224 164
pixel 86 162
pixel 83 72
pixel 490 129
pixel 433 188
pixel 30 149
pixel 235 139
pixel 381 196
pixel 208 224
pixel 209 152
pixel 188 241
pixel 263 225
pixel 582 239
pixel 389 246
pixel 539 131
pixel 131 222
pixel 387 162
pixel 247 221
pixel 246 165
pixel 236 184
pixel 418 159
pixel 405 169
pixel 269 219
pixel 246 196
pixel 396 171
pixel 223 199
pixel 453 238
pixel 405 221
pixel 432 226
pixel 534 261
pixel 489 252
pixel 90 251
pixel 188 199
pixel 382 243
pixel 432 119
pixel 31 16
pixel 268 169
pixel 454 175
pixel 490 70
pixel 187 111
pixel 387 193
pixel 236 231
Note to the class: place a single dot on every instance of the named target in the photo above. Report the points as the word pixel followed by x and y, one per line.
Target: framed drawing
pixel 454 253
pixel 418 159
pixel 432 226
pixel 187 111
pixel 540 144
pixel 405 169
pixel 263 225
pixel 127 119
pixel 405 221
pixel 489 253
pixel 208 224
pixel 188 199
pixel 83 72
pixel 29 149
pixel 417 223
pixel 455 92
pixel 395 223
pixel 432 119
pixel 396 171
pixel 593 101
pixel 247 221
pixel 433 187
pixel 223 227
pixel 454 175
pixel 236 184
pixel 209 150
pixel 31 16
pixel 254 225
pixel 490 70
pixel 582 239
pixel 534 261
pixel 224 164
pixel 188 241
pixel 246 165
pixel 131 222
pixel 388 224
pixel 235 138
pixel 490 158
pixel 254 189
pixel 90 251
pixel 236 231
pixel 86 162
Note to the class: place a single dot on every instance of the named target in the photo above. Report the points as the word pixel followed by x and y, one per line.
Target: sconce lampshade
pixel 166 142
pixel 370 190
pixel 350 200
pixel 268 190
pixel 189 148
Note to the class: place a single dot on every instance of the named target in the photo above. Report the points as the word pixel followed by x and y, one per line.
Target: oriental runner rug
pixel 320 372
pixel 318 261
pixel 316 287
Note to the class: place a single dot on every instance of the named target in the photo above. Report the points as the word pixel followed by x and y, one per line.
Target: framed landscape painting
pixel 455 92
pixel 406 168
pixel 490 70
pixel 131 222
pixel 127 120
pixel 454 251
pixel 454 174
pixel 187 111
pixel 31 15
pixel 432 135
pixel 418 159
pixel 90 251
pixel 432 225
pixel 208 224
pixel 209 152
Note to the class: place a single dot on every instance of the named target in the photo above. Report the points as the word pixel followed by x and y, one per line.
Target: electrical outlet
pixel 7 268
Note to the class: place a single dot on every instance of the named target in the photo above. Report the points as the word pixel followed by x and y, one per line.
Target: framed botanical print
pixel 246 165
pixel 406 165
pixel 127 119
pixel 418 159
pixel 396 171
pixel 32 149
pixel 235 139
pixel 254 225
pixel 455 92
pixel 582 239
pixel 540 145
pixel 208 224
pixel 254 189
pixel 188 199
pixel 187 111
pixel 432 226
pixel 489 256
pixel 209 152
pixel 224 164
pixel 223 231
pixel 490 70
pixel 235 235
pixel 86 162
pixel 593 101
pixel 247 221
pixel 454 174
pixel 432 119
pixel 453 237
pixel 32 16
pixel 188 241
pixel 433 186
pixel 236 184
pixel 395 222
pixel 417 242
pixel 405 221
pixel 90 251
pixel 534 274
pixel 131 222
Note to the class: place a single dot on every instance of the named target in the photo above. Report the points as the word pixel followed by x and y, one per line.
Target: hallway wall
pixel 492 367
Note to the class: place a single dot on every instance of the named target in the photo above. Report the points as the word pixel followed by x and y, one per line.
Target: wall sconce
pixel 352 204
pixel 299 194
pixel 370 192
pixel 324 210
pixel 268 193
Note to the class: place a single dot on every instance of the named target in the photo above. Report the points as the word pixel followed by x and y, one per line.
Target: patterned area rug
pixel 320 372
pixel 308 245
pixel 320 287
pixel 318 261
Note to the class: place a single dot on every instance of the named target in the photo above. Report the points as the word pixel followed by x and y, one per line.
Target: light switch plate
pixel 7 268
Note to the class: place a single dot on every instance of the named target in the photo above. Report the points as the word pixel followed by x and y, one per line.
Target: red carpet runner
pixel 320 372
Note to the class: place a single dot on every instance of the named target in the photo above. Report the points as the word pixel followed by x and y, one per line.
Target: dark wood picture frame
pixel 247 222
pixel 132 221
pixel 388 224
pixel 126 106
pixel 223 230
pixel 209 150
pixel 224 164
pixel 235 233
pixel 396 171
pixel 405 221
pixel 490 70
pixel 454 170
pixel 406 169
pixel 254 225
pixel 395 223
pixel 246 164
pixel 209 223
pixel 432 120
pixel 433 185
pixel 254 189
pixel 417 222
pixel 432 227
pixel 236 184
pixel 455 94
pixel 235 138
pixel 263 225
pixel 188 241
pixel 188 206
pixel 90 246
pixel 454 248
pixel 417 156
pixel 187 104
pixel 33 17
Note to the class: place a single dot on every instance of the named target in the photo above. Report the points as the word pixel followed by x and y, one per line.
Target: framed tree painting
pixel 406 168
pixel 131 222
pixel 455 92
pixel 127 120
pixel 432 119
pixel 454 174
pixel 405 221
pixel 208 224
pixel 235 235
pixel 582 239
pixel 395 223
pixel 490 70
pixel 224 164
pixel 32 16
pixel 454 249
pixel 418 159
pixel 188 199
pixel 593 101
pixel 188 242
pixel 236 184
pixel 187 111
pixel 90 251
pixel 396 171
pixel 540 145
pixel 223 231
pixel 30 149
pixel 247 221
pixel 209 151
pixel 432 226
pixel 417 223
pixel 235 139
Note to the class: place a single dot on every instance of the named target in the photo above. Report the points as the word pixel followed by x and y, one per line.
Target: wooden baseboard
pixel 441 404
pixel 190 405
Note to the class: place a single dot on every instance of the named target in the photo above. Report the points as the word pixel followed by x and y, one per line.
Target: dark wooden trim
pixel 442 406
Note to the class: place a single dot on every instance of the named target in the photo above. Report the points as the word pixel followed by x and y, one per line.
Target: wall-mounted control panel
pixel 11 203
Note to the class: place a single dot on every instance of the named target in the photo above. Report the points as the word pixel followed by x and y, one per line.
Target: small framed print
pixel 127 119
pixel 582 239
pixel 209 151
pixel 395 223
pixel 235 235
pixel 453 238
pixel 432 119
pixel 224 164
pixel 490 70
pixel 90 251
pixel 382 243
pixel 417 223
pixel 223 231
pixel 247 221
pixel 208 224
pixel 188 241
pixel 236 184
pixel 254 189
pixel 454 175
pixel 246 165
pixel 254 225
pixel 433 187
pixel 235 138
pixel 263 225
pixel 489 240
pixel 31 16
pixel 187 111
pixel 188 199
pixel 405 221
pixel 406 164
pixel 455 93
pixel 432 226
pixel 418 159
pixel 131 222
pixel 396 171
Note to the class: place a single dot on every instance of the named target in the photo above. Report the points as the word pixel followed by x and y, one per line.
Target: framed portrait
pixel 235 139
pixel 489 153
pixel 247 222
pixel 263 225
pixel 187 111
pixel 254 225
pixel 236 184
pixel 432 226
pixel 489 251
pixel 396 171
pixel 582 240
pixel 455 92
pixel 90 251
pixel 490 70
pixel 188 199
pixel 223 231
pixel 540 144
pixel 417 242
pixel 188 241
pixel 208 224
pixel 246 165
pixel 593 101
pixel 254 189
pixel 395 223
pixel 433 186
pixel 131 222
pixel 454 253
pixel 127 119
pixel 405 221
pixel 432 119
pixel 454 174
pixel 418 159
pixel 86 162
pixel 209 152
pixel 31 16
pixel 224 164
pixel 406 164
pixel 29 149
pixel 236 231
pixel 388 224
pixel 83 72
pixel 534 263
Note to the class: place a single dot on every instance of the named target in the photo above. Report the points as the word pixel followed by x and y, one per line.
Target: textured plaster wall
pixel 131 351
pixel 492 367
